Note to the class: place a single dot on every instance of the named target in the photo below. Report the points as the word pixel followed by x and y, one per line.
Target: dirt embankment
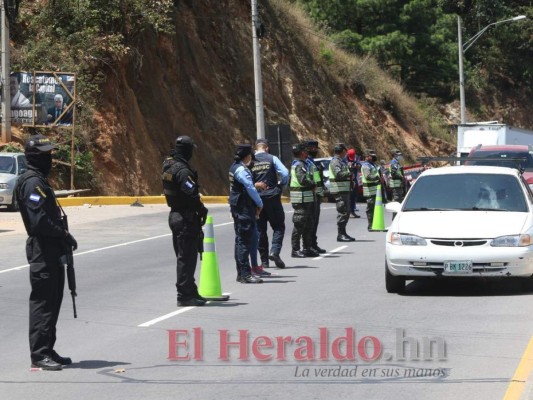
pixel 200 83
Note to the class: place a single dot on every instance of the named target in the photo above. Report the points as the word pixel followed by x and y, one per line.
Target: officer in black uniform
pixel 245 206
pixel 186 218
pixel 47 242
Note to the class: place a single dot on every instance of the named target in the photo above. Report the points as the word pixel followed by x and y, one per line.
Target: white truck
pixel 489 133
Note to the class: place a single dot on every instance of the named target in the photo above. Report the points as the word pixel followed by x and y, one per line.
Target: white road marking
pixel 330 252
pixel 169 315
pixel 108 247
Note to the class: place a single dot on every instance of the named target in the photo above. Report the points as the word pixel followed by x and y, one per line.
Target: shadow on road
pixel 465 287
pixel 96 364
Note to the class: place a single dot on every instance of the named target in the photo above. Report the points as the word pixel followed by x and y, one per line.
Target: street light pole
pixel 6 93
pixel 463 48
pixel 259 114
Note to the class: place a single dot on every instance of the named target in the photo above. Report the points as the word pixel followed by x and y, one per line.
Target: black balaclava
pixel 41 161
pixel 313 153
pixel 184 151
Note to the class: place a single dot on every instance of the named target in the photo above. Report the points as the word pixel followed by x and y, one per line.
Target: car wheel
pixel 14 205
pixel 393 284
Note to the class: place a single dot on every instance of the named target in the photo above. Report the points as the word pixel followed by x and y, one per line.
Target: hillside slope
pixel 199 82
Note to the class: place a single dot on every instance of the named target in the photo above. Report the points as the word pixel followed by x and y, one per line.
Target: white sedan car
pixel 461 221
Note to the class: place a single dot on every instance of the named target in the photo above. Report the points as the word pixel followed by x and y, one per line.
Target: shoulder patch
pixel 35 197
pixel 41 191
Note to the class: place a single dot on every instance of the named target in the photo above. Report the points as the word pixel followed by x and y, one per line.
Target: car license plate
pixel 458 267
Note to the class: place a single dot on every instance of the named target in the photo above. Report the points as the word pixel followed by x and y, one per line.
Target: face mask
pixel 184 152
pixel 43 162
pixel 399 158
pixel 313 153
pixel 374 158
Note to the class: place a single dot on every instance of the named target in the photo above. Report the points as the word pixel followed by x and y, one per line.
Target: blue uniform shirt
pixel 244 177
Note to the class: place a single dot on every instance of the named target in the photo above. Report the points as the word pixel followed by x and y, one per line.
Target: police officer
pixel 47 242
pixel 396 182
pixel 267 168
pixel 186 217
pixel 302 188
pixel 339 178
pixel 312 151
pixel 245 206
pixel 371 179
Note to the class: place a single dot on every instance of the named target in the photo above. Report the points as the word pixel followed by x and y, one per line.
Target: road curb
pixel 129 200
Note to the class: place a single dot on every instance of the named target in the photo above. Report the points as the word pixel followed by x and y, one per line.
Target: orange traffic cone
pixel 209 286
pixel 378 220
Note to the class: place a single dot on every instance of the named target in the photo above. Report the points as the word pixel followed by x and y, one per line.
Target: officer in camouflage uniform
pixel 302 188
pixel 340 178
pixel 187 215
pixel 396 182
pixel 312 151
pixel 371 179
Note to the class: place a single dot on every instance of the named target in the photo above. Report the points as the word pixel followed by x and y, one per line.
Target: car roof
pixel 10 154
pixel 507 147
pixel 471 169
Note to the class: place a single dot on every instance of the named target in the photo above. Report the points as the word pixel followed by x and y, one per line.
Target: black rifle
pixel 68 260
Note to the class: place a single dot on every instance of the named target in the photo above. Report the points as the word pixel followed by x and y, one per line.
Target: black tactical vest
pixel 264 170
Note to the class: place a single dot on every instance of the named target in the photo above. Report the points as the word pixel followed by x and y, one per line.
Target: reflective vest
pixel 396 174
pixel 300 194
pixel 370 184
pixel 313 169
pixel 339 185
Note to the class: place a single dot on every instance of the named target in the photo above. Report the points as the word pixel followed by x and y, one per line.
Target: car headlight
pixel 3 186
pixel 512 241
pixel 403 239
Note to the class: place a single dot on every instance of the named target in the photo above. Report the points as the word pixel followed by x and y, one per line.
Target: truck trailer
pixel 471 134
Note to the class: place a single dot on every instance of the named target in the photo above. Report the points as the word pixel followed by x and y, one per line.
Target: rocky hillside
pixel 199 82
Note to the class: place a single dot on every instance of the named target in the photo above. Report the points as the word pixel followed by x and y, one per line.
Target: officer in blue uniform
pixel 47 242
pixel 245 205
pixel 271 171
pixel 186 217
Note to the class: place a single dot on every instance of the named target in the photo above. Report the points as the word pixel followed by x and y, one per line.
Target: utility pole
pixel 4 78
pixel 461 73
pixel 259 114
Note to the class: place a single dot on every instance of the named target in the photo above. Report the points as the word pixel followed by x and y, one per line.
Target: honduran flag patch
pixel 35 197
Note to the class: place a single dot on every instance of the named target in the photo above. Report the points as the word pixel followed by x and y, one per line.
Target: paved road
pixel 125 271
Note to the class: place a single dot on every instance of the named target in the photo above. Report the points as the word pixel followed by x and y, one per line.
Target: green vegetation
pixel 416 40
pixel 89 38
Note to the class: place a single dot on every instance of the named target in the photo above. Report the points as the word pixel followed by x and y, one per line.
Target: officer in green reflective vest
pixel 339 178
pixel 371 180
pixel 302 192
pixel 312 151
pixel 396 182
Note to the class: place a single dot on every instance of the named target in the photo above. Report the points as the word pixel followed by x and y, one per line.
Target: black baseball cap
pixel 340 147
pixel 298 148
pixel 243 150
pixel 261 141
pixel 185 141
pixel 38 144
pixel 311 143
pixel 370 152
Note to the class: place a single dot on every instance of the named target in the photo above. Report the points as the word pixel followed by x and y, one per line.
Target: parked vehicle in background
pixel 11 166
pixel 489 133
pixel 462 222
pixel 411 174
pixel 504 153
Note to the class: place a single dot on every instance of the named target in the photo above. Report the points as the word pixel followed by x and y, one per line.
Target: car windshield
pixel 503 155
pixel 466 192
pixel 7 165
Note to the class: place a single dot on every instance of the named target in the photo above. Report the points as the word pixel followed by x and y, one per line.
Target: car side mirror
pixel 22 170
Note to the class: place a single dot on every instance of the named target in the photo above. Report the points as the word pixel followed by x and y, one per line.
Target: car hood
pixel 461 224
pixel 5 178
